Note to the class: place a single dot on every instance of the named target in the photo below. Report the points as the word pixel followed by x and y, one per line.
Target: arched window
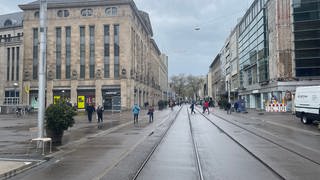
pixel 111 11
pixel 86 12
pixel 63 13
pixel 60 13
pixel 8 22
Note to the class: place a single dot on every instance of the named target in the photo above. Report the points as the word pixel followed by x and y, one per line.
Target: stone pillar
pixel 262 101
pixel 98 92
pixel 125 96
pixel 73 91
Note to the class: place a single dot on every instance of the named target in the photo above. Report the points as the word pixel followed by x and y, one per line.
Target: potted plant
pixel 59 117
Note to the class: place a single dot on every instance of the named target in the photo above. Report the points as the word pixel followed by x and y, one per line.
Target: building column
pixel 124 90
pixel 73 91
pixel 252 101
pixel 98 92
pixel 262 101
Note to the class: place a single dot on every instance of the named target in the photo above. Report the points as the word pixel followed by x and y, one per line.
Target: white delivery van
pixel 307 103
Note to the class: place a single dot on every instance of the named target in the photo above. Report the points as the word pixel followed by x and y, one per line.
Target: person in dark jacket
pixel 100 113
pixel 192 108
pixel 228 108
pixel 236 105
pixel 90 110
pixel 150 113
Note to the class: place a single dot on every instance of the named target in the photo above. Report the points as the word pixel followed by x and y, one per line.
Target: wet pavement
pixel 18 154
pixel 175 158
pixel 282 148
pixel 91 156
pixel 222 158
pixel 118 150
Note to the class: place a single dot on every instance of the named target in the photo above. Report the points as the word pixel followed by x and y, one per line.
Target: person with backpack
pixel 135 112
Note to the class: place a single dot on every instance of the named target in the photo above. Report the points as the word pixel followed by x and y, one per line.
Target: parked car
pixel 307 103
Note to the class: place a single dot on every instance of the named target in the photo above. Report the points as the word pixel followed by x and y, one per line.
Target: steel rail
pixel 269 140
pixel 155 147
pixel 242 146
pixel 195 147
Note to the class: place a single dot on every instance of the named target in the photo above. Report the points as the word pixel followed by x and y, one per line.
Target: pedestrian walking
pixel 192 108
pixel 90 110
pixel 171 105
pixel 100 110
pixel 150 113
pixel 206 107
pixel 236 106
pixel 135 111
pixel 228 108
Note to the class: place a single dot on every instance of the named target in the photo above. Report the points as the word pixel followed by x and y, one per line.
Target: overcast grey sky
pixel 190 51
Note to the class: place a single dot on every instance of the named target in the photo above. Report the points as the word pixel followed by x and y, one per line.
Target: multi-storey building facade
pixel 98 52
pixel 306 27
pixel 278 48
pixel 216 85
pixel 230 55
pixel 11 58
pixel 164 76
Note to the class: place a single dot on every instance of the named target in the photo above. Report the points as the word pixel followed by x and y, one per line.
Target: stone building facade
pixel 98 52
pixel 11 58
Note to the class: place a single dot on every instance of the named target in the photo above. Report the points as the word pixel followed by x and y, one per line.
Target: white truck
pixel 307 103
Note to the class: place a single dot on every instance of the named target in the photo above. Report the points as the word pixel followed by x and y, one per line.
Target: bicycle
pixel 18 111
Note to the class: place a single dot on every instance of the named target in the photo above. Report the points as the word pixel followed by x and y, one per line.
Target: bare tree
pixel 187 86
pixel 178 84
pixel 194 85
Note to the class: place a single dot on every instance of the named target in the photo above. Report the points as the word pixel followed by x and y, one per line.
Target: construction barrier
pixel 276 107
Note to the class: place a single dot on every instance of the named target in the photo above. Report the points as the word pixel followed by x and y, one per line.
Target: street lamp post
pixel 63 96
pixel 42 66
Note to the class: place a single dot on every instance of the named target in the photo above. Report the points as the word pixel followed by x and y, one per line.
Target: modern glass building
pixel 306 24
pixel 253 46
pixel 253 52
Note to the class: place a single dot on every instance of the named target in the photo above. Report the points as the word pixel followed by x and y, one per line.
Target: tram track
pixel 266 139
pixel 194 147
pixel 136 175
pixel 239 143
pixel 260 136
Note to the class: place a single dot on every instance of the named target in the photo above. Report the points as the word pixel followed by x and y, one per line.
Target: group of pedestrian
pixel 99 110
pixel 136 111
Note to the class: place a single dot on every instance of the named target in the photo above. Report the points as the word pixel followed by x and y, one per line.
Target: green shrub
pixel 59 117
